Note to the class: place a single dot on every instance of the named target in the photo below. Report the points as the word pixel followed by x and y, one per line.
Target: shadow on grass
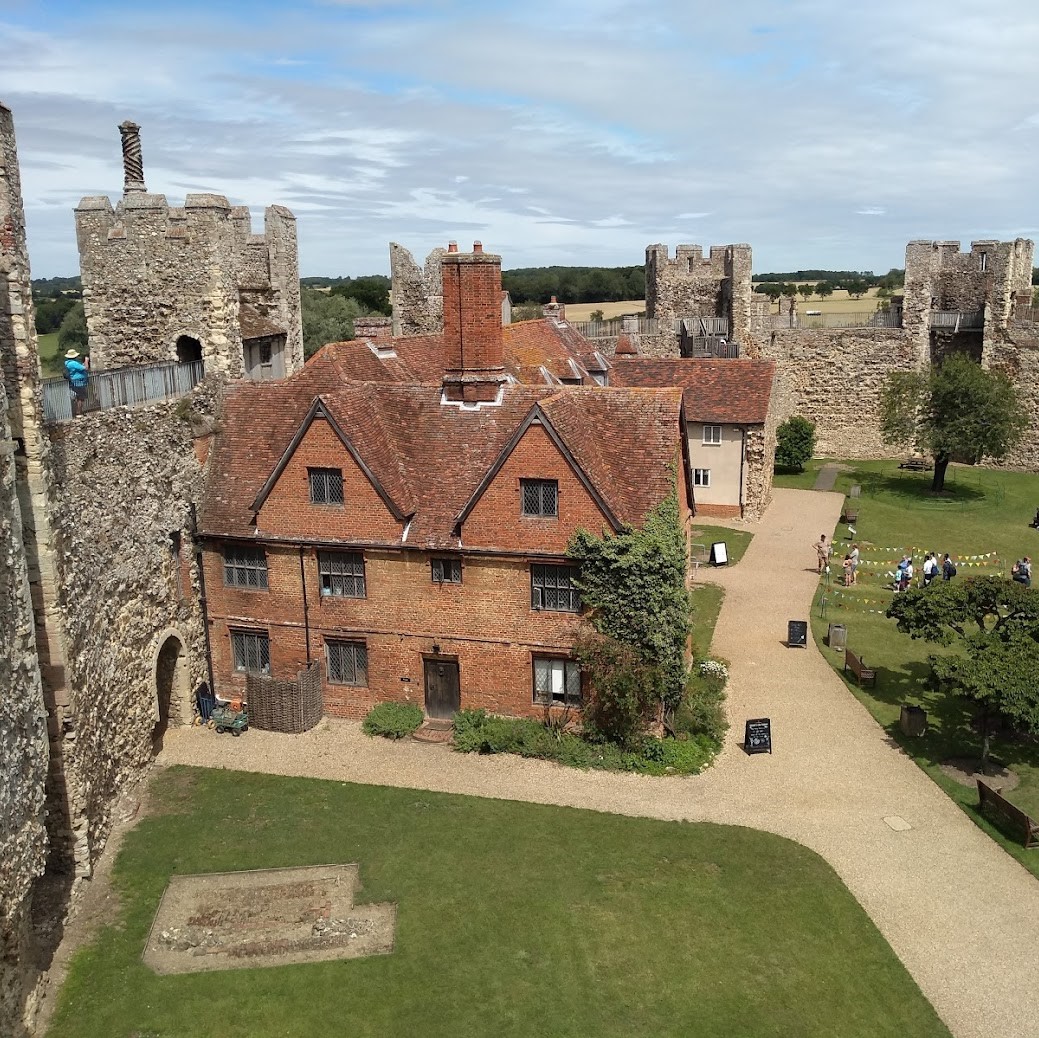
pixel 911 488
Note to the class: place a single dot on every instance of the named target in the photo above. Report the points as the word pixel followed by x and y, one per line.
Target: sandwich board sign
pixel 757 736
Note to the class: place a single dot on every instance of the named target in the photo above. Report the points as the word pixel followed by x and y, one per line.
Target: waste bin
pixel 913 720
pixel 837 636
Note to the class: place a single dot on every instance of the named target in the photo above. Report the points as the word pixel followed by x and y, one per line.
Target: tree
pixel 824 290
pixel 795 443
pixel 72 335
pixel 597 316
pixel 634 584
pixel 789 290
pixel 806 291
pixel 995 621
pixel 957 408
pixel 326 318
pixel 772 289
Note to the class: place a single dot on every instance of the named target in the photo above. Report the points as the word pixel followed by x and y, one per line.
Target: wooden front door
pixel 442 696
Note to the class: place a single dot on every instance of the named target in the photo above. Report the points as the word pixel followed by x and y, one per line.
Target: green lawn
pixel 707 604
pixel 50 362
pixel 986 513
pixel 736 541
pixel 513 919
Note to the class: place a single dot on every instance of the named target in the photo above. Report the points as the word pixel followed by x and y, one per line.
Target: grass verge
pixel 513 919
pixel 737 541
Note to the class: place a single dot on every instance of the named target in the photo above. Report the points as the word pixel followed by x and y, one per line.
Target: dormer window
pixel 326 486
pixel 540 497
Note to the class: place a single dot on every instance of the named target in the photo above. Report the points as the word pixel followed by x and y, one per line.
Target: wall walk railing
pixel 861 319
pixel 121 387
pixel 957 320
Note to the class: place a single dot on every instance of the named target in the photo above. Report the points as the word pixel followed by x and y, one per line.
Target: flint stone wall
pixel 154 272
pixel 127 479
pixel 1017 353
pixel 418 292
pixel 23 719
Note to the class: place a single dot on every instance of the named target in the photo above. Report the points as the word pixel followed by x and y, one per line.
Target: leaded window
pixel 446 571
pixel 326 486
pixel 252 652
pixel 540 497
pixel 556 681
pixel 341 573
pixel 245 566
pixel 552 587
pixel 347 662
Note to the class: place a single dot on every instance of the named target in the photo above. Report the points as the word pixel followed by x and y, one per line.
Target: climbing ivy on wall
pixel 634 584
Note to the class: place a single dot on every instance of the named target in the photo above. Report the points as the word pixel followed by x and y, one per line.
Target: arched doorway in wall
pixel 189 350
pixel 172 705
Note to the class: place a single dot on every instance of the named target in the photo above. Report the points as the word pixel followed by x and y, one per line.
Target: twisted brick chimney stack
pixel 473 349
pixel 133 163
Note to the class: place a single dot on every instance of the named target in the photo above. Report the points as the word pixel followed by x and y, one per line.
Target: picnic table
pixel 915 464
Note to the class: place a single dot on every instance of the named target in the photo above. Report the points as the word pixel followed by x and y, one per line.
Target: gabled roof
pixel 429 458
pixel 733 392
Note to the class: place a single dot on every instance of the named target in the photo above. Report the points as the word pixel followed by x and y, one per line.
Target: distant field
pixel 50 362
pixel 839 303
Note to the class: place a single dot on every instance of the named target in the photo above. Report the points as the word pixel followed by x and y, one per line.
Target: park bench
pixel 850 514
pixel 990 798
pixel 916 465
pixel 862 673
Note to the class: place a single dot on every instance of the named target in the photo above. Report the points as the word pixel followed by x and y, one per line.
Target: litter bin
pixel 837 636
pixel 913 720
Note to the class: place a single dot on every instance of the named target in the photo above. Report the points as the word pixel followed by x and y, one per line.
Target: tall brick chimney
pixel 473 350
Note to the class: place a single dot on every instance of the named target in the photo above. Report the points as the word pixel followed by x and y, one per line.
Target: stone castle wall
pixel 418 292
pixel 23 715
pixel 1017 353
pixel 153 273
pixel 127 480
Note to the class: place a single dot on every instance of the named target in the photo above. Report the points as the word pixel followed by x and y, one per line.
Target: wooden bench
pixel 849 515
pixel 1027 827
pixel 862 673
pixel 916 465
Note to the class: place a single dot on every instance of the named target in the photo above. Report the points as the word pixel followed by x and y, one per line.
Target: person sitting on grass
pixel 1022 572
pixel 1035 522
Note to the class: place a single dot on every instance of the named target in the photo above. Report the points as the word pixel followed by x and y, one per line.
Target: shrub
pixel 392 720
pixel 795 443
pixel 702 711
pixel 621 688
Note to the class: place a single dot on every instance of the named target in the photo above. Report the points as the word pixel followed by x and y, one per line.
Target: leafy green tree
pixel 327 318
pixel 51 311
pixel 634 584
pixel 72 335
pixel 772 289
pixel 597 316
pixel 806 291
pixel 995 622
pixel 795 443
pixel 789 290
pixel 957 408
pixel 824 290
pixel 372 293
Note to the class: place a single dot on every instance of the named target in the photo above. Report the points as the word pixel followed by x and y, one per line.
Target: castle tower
pixel 417 292
pixel 164 283
pixel 691 286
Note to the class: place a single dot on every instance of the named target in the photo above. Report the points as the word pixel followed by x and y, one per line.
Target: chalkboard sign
pixel 719 553
pixel 757 736
pixel 797 633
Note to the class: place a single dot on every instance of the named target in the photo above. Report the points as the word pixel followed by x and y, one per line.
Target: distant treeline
pixel 894 278
pixel 371 291
pixel 574 284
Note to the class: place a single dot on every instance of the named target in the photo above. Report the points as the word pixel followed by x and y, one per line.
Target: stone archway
pixel 172 685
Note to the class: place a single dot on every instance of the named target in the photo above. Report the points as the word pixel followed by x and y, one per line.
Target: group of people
pixel 824 551
pixel 1021 571
pixel 932 567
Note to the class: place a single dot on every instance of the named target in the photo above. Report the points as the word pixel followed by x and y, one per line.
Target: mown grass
pixel 513 919
pixel 984 513
pixel 50 361
pixel 736 541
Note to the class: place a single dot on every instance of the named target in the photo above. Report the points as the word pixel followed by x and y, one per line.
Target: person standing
pixel 847 570
pixel 930 568
pixel 948 568
pixel 823 549
pixel 77 374
pixel 854 555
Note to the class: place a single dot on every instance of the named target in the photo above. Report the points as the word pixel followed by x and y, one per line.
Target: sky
pixel 825 134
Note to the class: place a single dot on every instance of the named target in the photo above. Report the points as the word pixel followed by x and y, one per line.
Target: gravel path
pixel 961 914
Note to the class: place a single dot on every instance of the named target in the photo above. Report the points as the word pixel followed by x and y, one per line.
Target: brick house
pixel 399 510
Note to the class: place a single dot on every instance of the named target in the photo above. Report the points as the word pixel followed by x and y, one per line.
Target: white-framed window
pixel 701 477
pixel 556 681
pixel 712 435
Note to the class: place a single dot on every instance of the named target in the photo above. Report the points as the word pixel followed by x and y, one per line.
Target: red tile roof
pixel 626 442
pixel 725 391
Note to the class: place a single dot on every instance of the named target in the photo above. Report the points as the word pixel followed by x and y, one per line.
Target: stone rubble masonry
pixel 691 286
pixel 127 480
pixel 23 714
pixel 417 293
pixel 153 273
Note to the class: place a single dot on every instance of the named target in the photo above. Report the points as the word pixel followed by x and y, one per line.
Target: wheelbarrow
pixel 233 718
